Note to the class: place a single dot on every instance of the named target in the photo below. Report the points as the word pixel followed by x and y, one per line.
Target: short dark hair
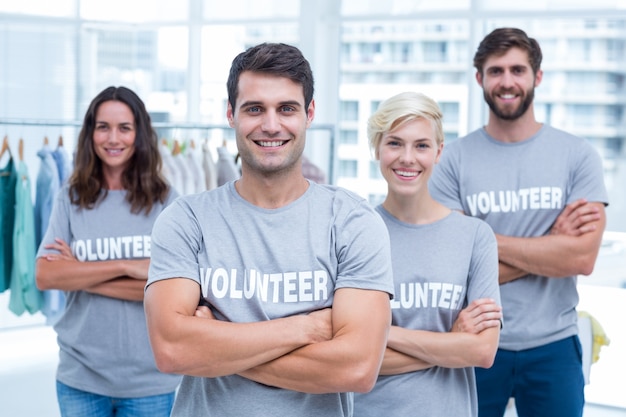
pixel 141 178
pixel 272 58
pixel 500 40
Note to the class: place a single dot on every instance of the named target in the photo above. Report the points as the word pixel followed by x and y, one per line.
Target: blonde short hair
pixel 402 108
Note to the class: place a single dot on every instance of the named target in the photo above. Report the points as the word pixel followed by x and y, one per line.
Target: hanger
pixel 45 140
pixel 176 150
pixel 20 149
pixel 5 146
pixel 60 144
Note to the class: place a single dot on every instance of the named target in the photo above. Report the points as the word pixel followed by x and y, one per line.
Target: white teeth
pixel 406 173
pixel 271 143
pixel 507 96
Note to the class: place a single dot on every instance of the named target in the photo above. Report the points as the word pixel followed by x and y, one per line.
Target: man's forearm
pixel 508 273
pixel 122 288
pixel 552 255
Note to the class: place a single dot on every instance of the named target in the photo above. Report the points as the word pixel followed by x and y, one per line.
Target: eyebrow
pixel 104 122
pixel 294 103
pixel 424 139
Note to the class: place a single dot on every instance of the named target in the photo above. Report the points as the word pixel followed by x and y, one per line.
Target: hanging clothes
pixel 8 181
pixel 195 167
pixel 48 183
pixel 184 171
pixel 25 296
pixel 63 161
pixel 312 171
pixel 169 168
pixel 226 168
pixel 47 186
pixel 208 166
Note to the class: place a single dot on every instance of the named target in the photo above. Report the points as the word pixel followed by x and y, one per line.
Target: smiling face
pixel 508 84
pixel 407 157
pixel 114 137
pixel 270 123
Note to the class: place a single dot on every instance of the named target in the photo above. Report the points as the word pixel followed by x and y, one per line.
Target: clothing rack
pixel 187 126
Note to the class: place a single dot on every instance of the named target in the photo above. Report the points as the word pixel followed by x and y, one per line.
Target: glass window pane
pixel 539 5
pixel 398 7
pixel 250 9
pixel 38 72
pixel 348 168
pixel 57 8
pixel 136 11
pixel 348 137
pixel 349 110
pixel 375 173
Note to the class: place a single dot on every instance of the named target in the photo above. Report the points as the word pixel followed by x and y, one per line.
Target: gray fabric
pixel 104 347
pixel 226 167
pixel 439 269
pixel 255 264
pixel 520 189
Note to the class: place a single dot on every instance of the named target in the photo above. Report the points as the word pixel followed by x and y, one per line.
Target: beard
pixel 515 113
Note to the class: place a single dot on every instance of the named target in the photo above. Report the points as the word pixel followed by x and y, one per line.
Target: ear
pixel 310 113
pixel 230 116
pixel 538 77
pixel 439 150
pixel 479 78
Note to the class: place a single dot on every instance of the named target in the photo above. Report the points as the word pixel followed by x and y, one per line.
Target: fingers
pixel 570 208
pixel 62 247
pixel 481 306
pixel 203 312
pixel 479 315
pixel 576 219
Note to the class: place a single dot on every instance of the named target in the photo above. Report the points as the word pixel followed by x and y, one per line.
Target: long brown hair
pixel 142 177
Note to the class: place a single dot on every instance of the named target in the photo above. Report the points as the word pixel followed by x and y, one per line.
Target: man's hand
pixel 481 314
pixel 576 219
pixel 319 323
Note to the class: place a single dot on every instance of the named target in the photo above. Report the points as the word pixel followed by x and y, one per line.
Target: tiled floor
pixel 27 368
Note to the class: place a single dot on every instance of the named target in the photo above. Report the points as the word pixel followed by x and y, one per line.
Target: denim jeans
pixel 77 403
pixel 545 381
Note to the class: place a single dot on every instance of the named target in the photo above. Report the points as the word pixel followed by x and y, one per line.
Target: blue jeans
pixel 545 381
pixel 77 403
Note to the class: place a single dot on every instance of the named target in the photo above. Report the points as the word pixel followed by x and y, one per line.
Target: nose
pixel 112 136
pixel 271 122
pixel 507 79
pixel 407 155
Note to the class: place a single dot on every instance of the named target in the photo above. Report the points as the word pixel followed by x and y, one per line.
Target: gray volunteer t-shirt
pixel 439 268
pixel 256 264
pixel 520 189
pixel 103 341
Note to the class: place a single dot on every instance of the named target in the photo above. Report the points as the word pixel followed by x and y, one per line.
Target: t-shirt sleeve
pixel 364 254
pixel 483 274
pixel 58 223
pixel 444 183
pixel 175 243
pixel 588 177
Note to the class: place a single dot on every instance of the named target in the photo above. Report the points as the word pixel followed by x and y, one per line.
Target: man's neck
pixel 511 131
pixel 273 192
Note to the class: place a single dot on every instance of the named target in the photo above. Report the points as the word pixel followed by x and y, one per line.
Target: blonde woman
pixel 446 314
